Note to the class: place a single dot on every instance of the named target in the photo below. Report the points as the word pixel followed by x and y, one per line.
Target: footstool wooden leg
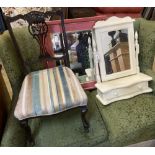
pixel 30 140
pixel 84 110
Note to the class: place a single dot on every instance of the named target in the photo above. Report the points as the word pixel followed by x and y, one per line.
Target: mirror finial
pixel 90 52
pixel 137 51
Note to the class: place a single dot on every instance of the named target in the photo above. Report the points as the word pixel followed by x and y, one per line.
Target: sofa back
pixel 10 61
pixel 146 31
pixel 29 49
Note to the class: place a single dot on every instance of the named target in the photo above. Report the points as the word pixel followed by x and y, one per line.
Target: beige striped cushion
pixel 48 92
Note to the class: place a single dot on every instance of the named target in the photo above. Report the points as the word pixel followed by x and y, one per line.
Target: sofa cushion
pixel 129 121
pixel 65 129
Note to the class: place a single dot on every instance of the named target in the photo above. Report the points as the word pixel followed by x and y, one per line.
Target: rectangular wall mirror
pixel 80 50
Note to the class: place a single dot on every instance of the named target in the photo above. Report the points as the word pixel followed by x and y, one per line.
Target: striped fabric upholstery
pixel 48 92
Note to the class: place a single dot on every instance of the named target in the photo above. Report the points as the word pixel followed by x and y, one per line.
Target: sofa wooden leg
pixel 84 110
pixel 30 140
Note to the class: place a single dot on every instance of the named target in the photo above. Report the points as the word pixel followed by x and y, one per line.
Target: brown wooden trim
pixel 0 67
pixel 3 110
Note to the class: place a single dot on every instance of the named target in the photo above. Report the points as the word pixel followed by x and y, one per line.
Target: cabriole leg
pixel 30 140
pixel 84 110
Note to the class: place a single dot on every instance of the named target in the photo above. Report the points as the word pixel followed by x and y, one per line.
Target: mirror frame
pixel 113 24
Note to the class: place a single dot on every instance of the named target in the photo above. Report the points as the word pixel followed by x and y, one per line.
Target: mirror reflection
pixel 80 52
pixel 116 54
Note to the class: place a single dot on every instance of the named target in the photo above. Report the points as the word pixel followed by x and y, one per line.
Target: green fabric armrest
pixel 152 74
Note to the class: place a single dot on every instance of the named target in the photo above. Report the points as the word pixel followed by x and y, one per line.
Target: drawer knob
pixel 140 87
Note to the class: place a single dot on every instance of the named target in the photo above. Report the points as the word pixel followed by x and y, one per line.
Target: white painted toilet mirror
pixel 116 50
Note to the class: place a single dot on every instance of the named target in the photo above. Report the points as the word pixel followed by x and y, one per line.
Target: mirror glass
pixel 80 53
pixel 116 51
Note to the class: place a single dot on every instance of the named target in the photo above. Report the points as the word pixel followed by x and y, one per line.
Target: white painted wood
pixel 153 66
pixel 90 74
pixel 113 21
pixel 137 51
pixel 123 84
pixel 90 52
pixel 96 62
pixel 123 88
pixel 114 24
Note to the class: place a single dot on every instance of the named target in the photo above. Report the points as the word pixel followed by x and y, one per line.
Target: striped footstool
pixel 49 92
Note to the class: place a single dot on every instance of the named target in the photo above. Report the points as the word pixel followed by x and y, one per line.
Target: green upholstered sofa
pixel 119 124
